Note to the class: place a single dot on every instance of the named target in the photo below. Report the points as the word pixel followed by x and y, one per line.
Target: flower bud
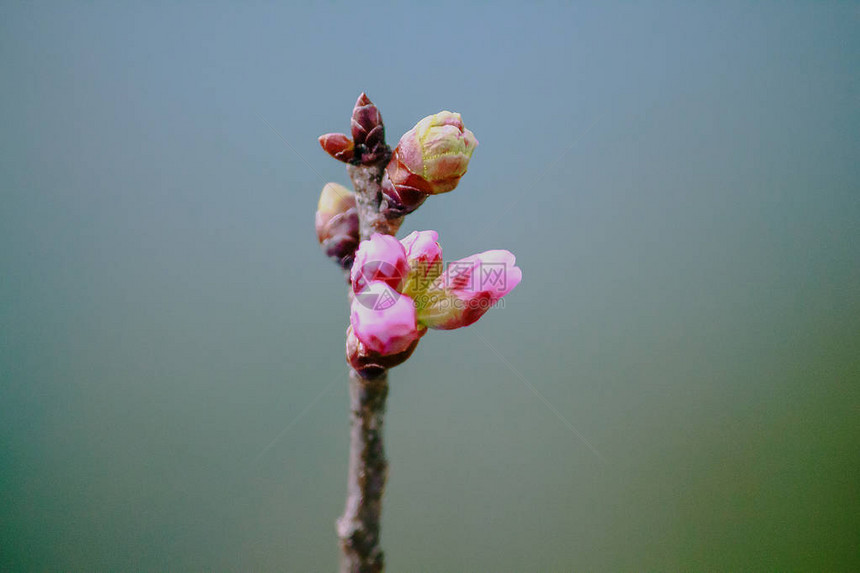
pixel 338 146
pixel 368 363
pixel 337 223
pixel 467 289
pixel 432 156
pixel 383 319
pixel 368 131
pixel 380 258
pixel 425 260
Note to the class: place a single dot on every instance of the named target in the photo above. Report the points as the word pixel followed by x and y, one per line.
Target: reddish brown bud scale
pixel 341 246
pixel 368 131
pixel 365 118
pixel 369 363
pixel 336 224
pixel 338 146
pixel 400 199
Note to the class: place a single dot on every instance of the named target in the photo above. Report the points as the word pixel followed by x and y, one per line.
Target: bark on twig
pixel 359 526
pixel 368 196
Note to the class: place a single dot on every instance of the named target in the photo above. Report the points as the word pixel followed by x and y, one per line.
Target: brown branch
pixel 359 526
pixel 368 196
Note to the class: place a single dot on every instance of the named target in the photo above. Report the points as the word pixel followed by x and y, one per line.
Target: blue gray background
pixel 680 185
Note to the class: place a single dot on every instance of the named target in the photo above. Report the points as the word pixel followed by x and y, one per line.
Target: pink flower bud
pixel 336 223
pixel 338 146
pixel 369 363
pixel 380 258
pixel 468 288
pixel 425 259
pixel 433 155
pixel 383 319
pixel 422 246
pixel 368 131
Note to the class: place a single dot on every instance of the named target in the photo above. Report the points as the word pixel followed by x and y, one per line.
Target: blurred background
pixel 679 183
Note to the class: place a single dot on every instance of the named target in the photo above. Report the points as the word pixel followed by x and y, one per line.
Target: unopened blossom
pixel 468 288
pixel 380 258
pixel 336 223
pixel 430 159
pixel 384 319
pixel 425 259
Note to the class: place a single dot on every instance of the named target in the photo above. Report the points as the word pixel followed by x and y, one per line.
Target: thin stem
pixel 359 526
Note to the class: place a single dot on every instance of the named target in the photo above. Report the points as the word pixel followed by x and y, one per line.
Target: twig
pixel 368 197
pixel 359 526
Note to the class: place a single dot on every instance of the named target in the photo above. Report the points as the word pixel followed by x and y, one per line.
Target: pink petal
pixel 383 319
pixel 492 272
pixel 469 287
pixel 422 246
pixel 380 258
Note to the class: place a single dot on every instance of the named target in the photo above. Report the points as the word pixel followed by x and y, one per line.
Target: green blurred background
pixel 680 183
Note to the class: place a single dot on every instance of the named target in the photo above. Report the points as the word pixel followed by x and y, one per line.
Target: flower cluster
pixel 429 160
pixel 400 289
